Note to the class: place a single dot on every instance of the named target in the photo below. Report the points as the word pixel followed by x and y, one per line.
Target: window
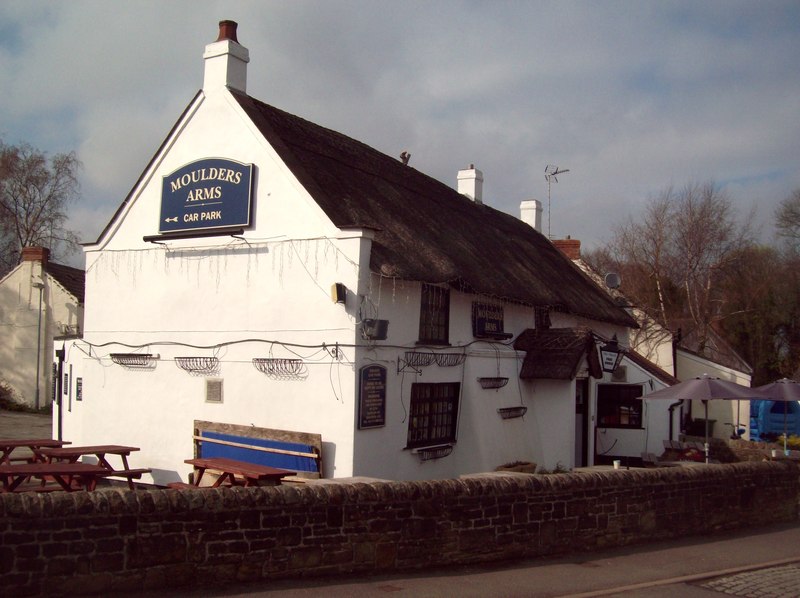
pixel 434 318
pixel 618 405
pixel 434 412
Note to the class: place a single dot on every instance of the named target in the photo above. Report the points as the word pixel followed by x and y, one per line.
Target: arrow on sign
pixel 175 219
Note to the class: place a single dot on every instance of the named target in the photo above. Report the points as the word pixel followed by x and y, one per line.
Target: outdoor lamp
pixel 610 355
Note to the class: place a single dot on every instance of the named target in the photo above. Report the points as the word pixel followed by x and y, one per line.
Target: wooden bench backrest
pixel 297 451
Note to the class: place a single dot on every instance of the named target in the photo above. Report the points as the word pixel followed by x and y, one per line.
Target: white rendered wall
pixel 266 296
pixel 545 435
pixel 631 443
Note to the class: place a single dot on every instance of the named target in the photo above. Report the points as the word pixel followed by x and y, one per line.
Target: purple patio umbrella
pixel 706 388
pixel 785 391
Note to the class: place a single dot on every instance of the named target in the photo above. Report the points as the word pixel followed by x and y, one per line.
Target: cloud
pixel 631 97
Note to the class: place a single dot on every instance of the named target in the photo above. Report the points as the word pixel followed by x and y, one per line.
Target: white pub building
pixel 268 273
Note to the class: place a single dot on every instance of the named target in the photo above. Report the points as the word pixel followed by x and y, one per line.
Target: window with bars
pixel 434 318
pixel 433 414
pixel 618 405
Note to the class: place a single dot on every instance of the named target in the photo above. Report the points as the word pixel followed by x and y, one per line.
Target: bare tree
pixel 35 193
pixel 787 218
pixel 671 258
pixel 707 240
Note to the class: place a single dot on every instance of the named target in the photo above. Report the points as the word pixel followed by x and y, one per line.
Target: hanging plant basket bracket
pixel 434 452
pixel 280 367
pixel 447 360
pixel 198 365
pixel 493 382
pixel 139 361
pixel 512 412
pixel 415 361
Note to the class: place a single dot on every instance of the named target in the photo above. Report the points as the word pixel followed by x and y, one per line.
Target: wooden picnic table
pixel 236 473
pixel 71 454
pixel 68 476
pixel 8 445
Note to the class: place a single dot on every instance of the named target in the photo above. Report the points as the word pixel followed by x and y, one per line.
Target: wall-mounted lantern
pixel 611 355
pixel 338 292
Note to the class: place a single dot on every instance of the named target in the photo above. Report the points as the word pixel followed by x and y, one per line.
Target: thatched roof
pixel 556 353
pixel 426 230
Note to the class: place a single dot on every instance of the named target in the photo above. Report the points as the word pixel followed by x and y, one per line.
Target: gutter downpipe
pixel 671 409
pixel 58 387
pixel 40 286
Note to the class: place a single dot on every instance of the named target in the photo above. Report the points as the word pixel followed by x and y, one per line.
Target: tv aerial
pixel 551 173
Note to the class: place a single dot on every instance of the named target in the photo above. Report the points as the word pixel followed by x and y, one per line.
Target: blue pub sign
pixel 206 194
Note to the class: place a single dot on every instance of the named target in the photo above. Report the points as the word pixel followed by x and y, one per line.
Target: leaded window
pixel 433 414
pixel 434 319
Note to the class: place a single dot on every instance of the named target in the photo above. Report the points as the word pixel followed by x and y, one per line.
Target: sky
pixel 632 97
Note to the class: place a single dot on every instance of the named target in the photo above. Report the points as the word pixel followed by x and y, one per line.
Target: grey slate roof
pixel 711 346
pixel 72 279
pixel 425 230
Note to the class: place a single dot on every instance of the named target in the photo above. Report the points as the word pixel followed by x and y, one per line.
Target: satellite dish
pixel 613 280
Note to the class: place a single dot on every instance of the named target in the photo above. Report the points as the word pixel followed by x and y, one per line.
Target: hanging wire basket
pixel 134 360
pixel 198 365
pixel 434 452
pixel 446 360
pixel 493 382
pixel 280 367
pixel 419 359
pixel 512 412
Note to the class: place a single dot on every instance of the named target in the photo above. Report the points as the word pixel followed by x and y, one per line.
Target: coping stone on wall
pixel 119 500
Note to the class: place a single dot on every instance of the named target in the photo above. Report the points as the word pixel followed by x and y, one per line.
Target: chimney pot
pixel 36 254
pixel 227 30
pixel 226 61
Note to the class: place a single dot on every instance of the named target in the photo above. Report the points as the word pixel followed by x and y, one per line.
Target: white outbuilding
pixel 40 300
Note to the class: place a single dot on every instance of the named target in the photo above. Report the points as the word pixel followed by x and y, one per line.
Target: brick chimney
pixel 226 61
pixel 36 254
pixel 569 247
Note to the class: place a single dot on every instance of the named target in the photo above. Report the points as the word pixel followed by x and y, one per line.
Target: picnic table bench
pixel 34 445
pixel 73 453
pixel 234 473
pixel 67 476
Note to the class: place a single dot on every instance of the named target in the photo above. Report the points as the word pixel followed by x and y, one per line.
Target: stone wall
pixel 119 540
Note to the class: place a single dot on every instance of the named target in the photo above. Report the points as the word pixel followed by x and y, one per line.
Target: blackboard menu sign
pixel 372 397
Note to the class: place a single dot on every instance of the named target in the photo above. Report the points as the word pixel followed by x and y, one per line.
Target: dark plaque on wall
pixel 372 397
pixel 487 320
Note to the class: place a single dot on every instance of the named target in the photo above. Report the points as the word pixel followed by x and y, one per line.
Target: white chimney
pixel 226 61
pixel 470 183
pixel 530 212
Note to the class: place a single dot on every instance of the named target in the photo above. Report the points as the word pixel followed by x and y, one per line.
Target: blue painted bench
pixel 300 452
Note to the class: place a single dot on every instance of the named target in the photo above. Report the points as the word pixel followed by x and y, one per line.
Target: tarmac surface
pixel 751 562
